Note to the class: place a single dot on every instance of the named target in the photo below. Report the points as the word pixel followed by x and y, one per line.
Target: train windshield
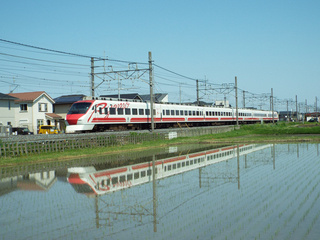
pixel 79 108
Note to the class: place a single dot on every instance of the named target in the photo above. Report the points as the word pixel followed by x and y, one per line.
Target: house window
pixel 23 107
pixel 43 107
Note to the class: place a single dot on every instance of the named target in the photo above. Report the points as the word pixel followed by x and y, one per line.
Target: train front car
pixel 78 116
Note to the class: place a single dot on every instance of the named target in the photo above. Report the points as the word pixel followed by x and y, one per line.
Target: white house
pixel 33 109
pixel 7 107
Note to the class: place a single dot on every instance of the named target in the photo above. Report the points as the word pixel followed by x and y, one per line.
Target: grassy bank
pixel 280 132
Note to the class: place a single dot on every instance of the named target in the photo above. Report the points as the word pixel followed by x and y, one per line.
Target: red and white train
pixel 88 181
pixel 100 114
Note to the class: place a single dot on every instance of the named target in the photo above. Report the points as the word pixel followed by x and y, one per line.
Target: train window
pixel 127 111
pixel 190 113
pixel 193 113
pixel 112 111
pixel 122 178
pixel 174 166
pixel 106 111
pixel 114 180
pixel 154 112
pixel 198 113
pixel 120 111
pixel 163 112
pixel 141 112
pixel 100 110
pixel 181 112
pixel 187 163
pixel 178 165
pixel 108 182
pixel 207 113
pixel 191 162
pixel 183 164
pixel 185 112
pixel 136 175
pixel 102 183
pixel 167 112
pixel 134 111
pixel 147 111
pixel 177 112
pixel 129 177
pixel 169 167
pixel 143 173
pixel 165 168
pixel 172 112
pixel 149 172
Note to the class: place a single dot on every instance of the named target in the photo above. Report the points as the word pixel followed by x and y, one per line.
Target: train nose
pixel 72 119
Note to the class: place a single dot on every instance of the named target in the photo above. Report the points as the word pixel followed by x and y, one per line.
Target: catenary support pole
pixel 151 90
pixel 92 77
pixel 236 89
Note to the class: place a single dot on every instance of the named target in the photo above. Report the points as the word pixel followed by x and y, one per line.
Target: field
pixel 280 132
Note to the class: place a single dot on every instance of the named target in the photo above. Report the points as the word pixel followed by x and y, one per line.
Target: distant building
pixel 130 96
pixel 158 97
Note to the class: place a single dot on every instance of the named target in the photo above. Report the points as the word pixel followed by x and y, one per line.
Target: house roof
pixel 67 99
pixel 7 97
pixel 158 97
pixel 53 116
pixel 29 96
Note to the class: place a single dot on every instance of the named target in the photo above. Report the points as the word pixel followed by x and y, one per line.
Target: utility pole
pixel 197 92
pixel 180 92
pixel 272 105
pixel 151 90
pixel 92 77
pixel 236 89
pixel 244 99
pixel 287 112
pixel 305 116
pixel 316 111
pixel 297 107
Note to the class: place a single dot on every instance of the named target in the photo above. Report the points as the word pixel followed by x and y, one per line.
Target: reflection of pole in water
pixel 317 149
pixel 96 206
pixel 297 150
pixel 154 194
pixel 238 162
pixel 274 156
pixel 245 161
pixel 199 177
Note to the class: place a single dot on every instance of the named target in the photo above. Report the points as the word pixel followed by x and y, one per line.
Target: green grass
pixel 280 132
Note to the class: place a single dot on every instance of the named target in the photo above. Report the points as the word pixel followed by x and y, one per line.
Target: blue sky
pixel 266 44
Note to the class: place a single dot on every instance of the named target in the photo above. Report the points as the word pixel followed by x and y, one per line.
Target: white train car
pixel 88 181
pixel 100 114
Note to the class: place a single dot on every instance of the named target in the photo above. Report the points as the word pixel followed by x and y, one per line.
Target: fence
pixel 57 143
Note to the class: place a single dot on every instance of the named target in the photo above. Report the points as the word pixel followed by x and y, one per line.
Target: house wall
pixel 7 114
pixel 62 109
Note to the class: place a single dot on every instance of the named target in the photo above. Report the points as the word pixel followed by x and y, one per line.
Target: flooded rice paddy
pixel 187 192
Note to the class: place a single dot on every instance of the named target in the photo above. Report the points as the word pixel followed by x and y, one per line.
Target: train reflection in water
pixel 88 181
